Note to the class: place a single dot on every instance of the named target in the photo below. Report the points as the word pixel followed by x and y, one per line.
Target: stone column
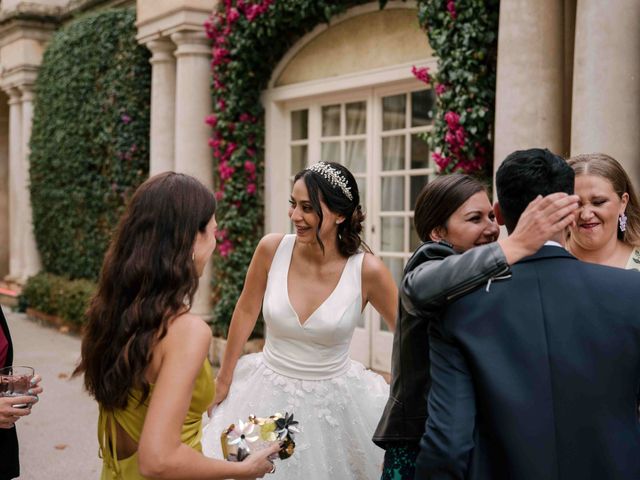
pixel 193 104
pixel 606 82
pixel 17 185
pixel 163 90
pixel 31 257
pixel 529 91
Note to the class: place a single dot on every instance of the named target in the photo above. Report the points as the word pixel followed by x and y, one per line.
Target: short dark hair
pixel 440 198
pixel 524 175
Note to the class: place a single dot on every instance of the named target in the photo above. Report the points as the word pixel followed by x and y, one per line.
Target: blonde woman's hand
pixel 222 390
pixel 9 414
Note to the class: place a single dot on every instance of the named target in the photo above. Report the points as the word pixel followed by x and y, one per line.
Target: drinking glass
pixel 15 381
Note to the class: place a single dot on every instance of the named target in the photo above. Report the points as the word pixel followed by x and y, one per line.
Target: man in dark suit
pixel 536 377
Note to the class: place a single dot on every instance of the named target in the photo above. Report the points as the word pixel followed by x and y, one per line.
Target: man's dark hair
pixel 524 175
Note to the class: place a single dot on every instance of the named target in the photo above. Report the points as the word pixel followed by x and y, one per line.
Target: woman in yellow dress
pixel 607 229
pixel 144 356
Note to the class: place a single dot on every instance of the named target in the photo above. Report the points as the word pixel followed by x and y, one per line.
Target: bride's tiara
pixel 333 176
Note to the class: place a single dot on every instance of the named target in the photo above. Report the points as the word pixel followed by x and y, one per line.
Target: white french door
pixel 376 133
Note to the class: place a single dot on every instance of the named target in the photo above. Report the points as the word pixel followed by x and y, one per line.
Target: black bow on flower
pixel 286 426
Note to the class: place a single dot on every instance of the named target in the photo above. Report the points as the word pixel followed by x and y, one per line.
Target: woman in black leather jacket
pixel 453 216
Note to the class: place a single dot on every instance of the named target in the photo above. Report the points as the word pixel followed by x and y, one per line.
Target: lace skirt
pixel 337 419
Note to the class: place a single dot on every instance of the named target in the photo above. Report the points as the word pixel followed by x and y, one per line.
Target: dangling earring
pixel 193 256
pixel 622 220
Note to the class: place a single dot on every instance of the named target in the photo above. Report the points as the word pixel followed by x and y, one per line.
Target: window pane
pixel 419 152
pixel 396 266
pixel 392 194
pixel 330 152
pixel 392 234
pixel 393 153
pixel 393 112
pixel 298 158
pixel 422 107
pixel 417 182
pixel 362 191
pixel 356 118
pixel 414 239
pixel 331 120
pixel 356 156
pixel 299 124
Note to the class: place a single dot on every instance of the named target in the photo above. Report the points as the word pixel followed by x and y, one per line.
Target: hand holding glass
pixel 15 382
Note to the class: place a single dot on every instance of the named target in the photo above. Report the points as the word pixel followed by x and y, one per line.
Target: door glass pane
pixel 417 182
pixel 299 124
pixel 356 156
pixel 414 239
pixel 330 152
pixel 392 234
pixel 362 191
pixel 331 120
pixel 393 153
pixel 419 152
pixel 298 158
pixel 394 112
pixel 356 118
pixel 396 266
pixel 422 107
pixel 392 194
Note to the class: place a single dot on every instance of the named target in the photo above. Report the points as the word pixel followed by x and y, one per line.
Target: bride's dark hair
pixel 148 277
pixel 349 240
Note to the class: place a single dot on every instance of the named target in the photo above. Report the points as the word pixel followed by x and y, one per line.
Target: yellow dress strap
pixel 108 442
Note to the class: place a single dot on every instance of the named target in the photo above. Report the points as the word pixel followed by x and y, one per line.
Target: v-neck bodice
pixel 318 348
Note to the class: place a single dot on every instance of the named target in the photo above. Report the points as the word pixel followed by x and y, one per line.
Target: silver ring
pixel 273 469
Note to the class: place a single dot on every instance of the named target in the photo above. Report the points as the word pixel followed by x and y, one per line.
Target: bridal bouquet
pixel 238 441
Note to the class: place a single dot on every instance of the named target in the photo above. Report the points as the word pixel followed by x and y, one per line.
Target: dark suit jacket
pixel 9 466
pixel 536 377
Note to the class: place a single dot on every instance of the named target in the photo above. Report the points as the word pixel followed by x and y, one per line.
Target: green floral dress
pixel 634 260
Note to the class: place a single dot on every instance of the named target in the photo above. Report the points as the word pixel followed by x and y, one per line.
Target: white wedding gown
pixel 306 369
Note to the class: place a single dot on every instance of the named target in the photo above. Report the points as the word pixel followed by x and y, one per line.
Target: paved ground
pixel 58 440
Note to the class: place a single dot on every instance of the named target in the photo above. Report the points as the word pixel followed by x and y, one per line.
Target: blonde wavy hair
pixel 609 168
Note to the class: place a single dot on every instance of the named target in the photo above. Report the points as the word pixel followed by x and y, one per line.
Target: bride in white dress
pixel 312 287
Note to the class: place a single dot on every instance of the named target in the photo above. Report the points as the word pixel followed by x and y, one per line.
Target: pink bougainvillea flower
pixel 460 135
pixel 251 189
pixel 211 120
pixel 245 118
pixel 221 234
pixel 225 248
pixel 451 8
pixel 452 119
pixel 126 119
pixel 251 152
pixel 219 195
pixel 440 88
pixel 222 105
pixel 233 15
pixel 249 167
pixel 440 160
pixel 225 170
pixel 421 74
pixel 231 147
pixel 450 138
pixel 220 55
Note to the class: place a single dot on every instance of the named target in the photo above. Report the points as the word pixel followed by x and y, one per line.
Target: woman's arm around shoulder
pixel 161 454
pixel 379 288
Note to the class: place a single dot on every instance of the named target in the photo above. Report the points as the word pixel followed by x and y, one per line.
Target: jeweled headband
pixel 333 176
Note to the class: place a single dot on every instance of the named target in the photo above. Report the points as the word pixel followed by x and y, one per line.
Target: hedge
pixel 54 295
pixel 90 138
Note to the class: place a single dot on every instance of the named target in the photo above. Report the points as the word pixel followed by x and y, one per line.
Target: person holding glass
pixel 144 355
pixel 607 229
pixel 10 412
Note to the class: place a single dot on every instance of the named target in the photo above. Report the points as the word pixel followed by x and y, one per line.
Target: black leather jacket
pixel 433 277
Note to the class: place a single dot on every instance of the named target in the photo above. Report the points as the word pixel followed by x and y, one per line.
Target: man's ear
pixel 498 213
pixel 437 234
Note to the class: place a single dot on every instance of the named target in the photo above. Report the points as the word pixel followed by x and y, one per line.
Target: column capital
pixel 162 50
pixel 14 93
pixel 191 43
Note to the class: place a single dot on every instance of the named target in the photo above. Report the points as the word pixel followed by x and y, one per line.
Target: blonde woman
pixel 607 229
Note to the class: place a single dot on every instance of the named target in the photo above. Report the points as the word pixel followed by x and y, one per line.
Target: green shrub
pixel 54 295
pixel 90 138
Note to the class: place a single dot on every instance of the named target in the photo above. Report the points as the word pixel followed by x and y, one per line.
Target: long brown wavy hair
pixel 148 277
